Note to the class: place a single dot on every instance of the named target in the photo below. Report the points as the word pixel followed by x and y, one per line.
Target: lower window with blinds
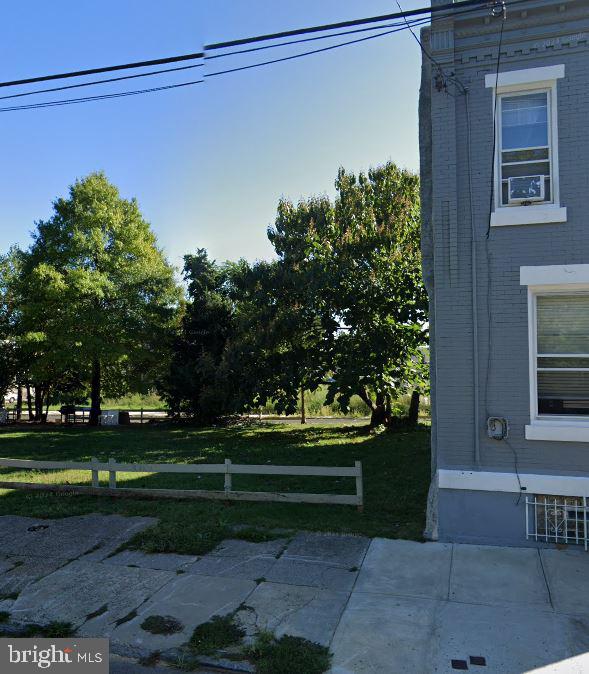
pixel 562 354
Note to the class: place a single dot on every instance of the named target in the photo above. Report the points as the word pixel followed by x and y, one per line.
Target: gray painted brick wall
pixel 546 36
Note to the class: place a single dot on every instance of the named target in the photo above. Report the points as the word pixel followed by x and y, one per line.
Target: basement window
pixel 557 519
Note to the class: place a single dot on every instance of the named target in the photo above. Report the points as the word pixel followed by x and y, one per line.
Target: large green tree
pixel 194 384
pixel 359 273
pixel 98 299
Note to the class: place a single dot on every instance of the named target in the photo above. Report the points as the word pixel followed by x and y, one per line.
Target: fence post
pixel 141 414
pixel 227 475
pixel 95 482
pixel 112 475
pixel 359 486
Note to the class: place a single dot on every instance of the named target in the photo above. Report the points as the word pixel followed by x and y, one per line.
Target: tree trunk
pixel 95 410
pixel 381 411
pixel 413 409
pixel 18 402
pixel 303 415
pixel 46 417
pixel 38 402
pixel 29 403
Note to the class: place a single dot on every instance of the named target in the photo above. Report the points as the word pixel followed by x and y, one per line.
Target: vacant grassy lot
pixel 396 478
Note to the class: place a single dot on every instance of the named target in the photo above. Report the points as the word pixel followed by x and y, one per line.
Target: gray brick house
pixel 505 204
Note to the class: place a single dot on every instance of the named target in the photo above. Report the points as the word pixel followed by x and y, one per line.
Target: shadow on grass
pixel 395 466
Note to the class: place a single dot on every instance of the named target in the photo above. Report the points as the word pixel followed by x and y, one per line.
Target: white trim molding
pixel 554 274
pixel 517 78
pixel 475 480
pixel 527 215
pixel 558 431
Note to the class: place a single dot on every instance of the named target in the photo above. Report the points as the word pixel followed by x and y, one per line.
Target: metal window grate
pixel 557 519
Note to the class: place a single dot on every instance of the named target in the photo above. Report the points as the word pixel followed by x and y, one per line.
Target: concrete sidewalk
pixel 382 606
pixel 434 607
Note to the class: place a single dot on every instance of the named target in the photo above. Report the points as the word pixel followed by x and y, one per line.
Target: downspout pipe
pixel 474 302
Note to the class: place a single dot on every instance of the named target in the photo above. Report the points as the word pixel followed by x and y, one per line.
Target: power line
pixel 497 68
pixel 199 65
pixel 111 79
pixel 87 99
pixel 307 53
pixel 345 24
pixel 71 101
pixel 448 8
pixel 310 39
pixel 104 69
pixel 430 58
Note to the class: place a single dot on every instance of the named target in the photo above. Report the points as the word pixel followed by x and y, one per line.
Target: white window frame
pixel 522 82
pixel 547 280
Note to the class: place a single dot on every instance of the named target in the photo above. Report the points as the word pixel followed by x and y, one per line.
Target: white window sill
pixel 527 215
pixel 558 431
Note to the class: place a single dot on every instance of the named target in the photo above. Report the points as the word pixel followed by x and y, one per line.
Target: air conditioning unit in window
pixel 526 189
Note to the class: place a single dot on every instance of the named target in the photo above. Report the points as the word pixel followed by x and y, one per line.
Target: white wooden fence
pixel 228 469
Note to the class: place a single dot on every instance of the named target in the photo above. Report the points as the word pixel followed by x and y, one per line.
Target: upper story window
pixel 526 158
pixel 525 152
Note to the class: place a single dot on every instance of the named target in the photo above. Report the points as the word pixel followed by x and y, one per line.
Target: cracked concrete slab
pixel 71 537
pixel 498 576
pixel 5 565
pixel 311 573
pixel 567 574
pixel 406 568
pixel 82 589
pixel 233 547
pixel 15 525
pixel 251 568
pixel 310 613
pixel 26 570
pixel 340 549
pixel 143 560
pixel 191 600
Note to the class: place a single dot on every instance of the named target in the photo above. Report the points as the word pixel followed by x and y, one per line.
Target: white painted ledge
pixel 516 78
pixel 482 480
pixel 554 274
pixel 558 432
pixel 527 215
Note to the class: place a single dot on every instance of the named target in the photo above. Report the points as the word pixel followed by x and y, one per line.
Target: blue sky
pixel 207 163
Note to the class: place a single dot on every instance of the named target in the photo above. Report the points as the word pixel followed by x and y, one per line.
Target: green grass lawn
pixel 395 466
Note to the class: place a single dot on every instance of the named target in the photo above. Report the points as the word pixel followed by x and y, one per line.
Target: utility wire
pixel 307 53
pixel 71 101
pixel 494 147
pixel 209 57
pixel 430 58
pixel 104 69
pixel 472 5
pixel 111 79
pixel 449 9
pixel 200 65
pixel 86 99
pixel 478 4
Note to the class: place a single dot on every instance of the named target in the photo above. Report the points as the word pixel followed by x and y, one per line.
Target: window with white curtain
pixel 562 354
pixel 525 148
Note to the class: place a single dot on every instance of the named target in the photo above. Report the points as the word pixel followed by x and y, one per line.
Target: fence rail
pixel 228 469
